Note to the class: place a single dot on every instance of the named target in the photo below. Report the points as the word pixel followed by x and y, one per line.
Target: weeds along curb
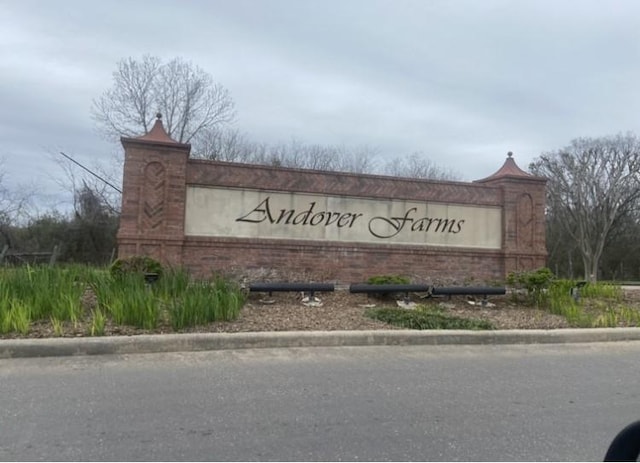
pixel 144 344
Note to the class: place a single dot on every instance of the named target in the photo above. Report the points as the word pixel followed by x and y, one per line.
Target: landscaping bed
pixel 338 311
pixel 76 302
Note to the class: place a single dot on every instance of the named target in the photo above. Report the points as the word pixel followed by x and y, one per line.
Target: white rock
pixel 406 305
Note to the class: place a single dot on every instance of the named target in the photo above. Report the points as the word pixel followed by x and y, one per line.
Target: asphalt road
pixel 537 402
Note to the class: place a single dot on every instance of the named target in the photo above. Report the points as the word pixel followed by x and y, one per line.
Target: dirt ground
pixel 344 311
pixel 339 310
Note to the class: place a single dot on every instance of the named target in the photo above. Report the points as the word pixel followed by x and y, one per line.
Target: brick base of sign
pixel 158 172
pixel 337 263
pixel 302 261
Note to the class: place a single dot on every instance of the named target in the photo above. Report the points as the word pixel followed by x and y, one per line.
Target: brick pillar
pixel 153 196
pixel 524 230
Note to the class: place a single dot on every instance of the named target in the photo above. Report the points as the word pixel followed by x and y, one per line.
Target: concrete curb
pixel 145 344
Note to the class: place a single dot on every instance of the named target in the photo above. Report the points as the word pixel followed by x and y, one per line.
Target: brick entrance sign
pixel 211 216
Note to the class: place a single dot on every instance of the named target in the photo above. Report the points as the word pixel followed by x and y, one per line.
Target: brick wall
pixel 157 171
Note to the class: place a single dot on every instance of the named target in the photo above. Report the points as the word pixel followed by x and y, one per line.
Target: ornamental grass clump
pixel 129 301
pixel 594 305
pixel 562 301
pixel 174 283
pixel 34 293
pixel 630 315
pixel 32 286
pixel 67 306
pixel 16 317
pixel 98 321
pixel 206 302
pixel 584 305
pixel 92 298
pixel 58 326
pixel 609 291
pixel 608 319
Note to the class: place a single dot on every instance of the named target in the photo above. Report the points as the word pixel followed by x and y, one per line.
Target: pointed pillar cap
pixel 509 170
pixel 157 136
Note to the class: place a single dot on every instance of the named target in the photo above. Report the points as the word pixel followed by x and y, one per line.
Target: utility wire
pixel 91 172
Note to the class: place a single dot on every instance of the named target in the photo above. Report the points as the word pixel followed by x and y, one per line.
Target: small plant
pixel 630 316
pixel 536 283
pixel 602 290
pixel 424 319
pixel 135 264
pixel 98 321
pixel 608 319
pixel 58 326
pixel 388 280
pixel 16 319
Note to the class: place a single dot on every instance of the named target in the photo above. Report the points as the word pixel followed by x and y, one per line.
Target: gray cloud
pixel 463 82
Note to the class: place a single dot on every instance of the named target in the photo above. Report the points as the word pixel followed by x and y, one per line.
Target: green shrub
pixel 135 264
pixel 535 282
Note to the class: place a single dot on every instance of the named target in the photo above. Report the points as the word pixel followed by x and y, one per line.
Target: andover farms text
pixel 379 226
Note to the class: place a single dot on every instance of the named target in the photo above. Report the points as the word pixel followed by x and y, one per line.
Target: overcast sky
pixel 463 82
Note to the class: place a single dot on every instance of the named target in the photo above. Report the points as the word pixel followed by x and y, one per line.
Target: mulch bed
pixel 339 310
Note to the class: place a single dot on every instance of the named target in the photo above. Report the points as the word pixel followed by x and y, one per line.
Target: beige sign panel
pixel 275 215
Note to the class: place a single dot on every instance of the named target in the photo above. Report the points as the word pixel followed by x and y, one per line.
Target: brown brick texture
pixel 156 176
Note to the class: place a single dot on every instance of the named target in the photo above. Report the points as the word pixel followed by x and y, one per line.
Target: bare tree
pixel 187 97
pixel 12 208
pixel 592 184
pixel 233 146
pixel 359 160
pixel 417 166
pixel 306 156
pixel 224 145
pixel 12 204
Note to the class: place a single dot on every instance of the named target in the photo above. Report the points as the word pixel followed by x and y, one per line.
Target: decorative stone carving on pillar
pixel 153 197
pixel 525 222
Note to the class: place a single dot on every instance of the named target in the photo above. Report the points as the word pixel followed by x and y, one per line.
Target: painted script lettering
pixel 388 227
pixel 309 216
pixel 381 227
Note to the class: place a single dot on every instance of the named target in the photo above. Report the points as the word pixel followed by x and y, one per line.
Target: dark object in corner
pixel 626 445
